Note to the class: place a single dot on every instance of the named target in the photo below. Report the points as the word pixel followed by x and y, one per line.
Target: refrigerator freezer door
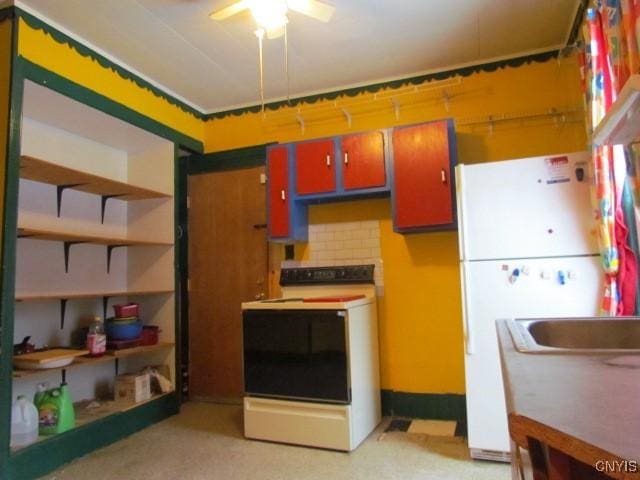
pixel 557 287
pixel 534 207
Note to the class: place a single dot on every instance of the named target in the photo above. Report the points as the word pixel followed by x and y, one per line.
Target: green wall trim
pixel 62 85
pixel 9 228
pixel 376 87
pixel 439 406
pixel 235 159
pixel 42 457
pixel 85 51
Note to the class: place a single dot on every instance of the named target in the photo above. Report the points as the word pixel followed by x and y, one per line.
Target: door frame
pixel 196 164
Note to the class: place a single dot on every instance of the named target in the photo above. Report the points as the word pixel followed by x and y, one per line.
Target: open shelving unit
pixel 621 124
pixel 75 160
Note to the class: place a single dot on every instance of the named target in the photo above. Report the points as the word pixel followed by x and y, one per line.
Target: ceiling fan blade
pixel 226 12
pixel 275 32
pixel 312 8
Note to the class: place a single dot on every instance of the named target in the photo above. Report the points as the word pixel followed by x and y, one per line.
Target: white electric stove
pixel 311 368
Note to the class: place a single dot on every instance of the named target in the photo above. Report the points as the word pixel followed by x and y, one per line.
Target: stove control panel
pixel 348 274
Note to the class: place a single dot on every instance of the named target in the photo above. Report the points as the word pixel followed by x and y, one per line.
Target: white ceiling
pixel 213 66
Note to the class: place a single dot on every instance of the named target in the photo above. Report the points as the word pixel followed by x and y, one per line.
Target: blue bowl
pixel 124 331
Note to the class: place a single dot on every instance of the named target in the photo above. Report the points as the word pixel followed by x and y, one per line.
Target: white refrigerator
pixel 527 249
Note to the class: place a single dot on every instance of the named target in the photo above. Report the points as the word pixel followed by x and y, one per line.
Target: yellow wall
pixel 40 48
pixel 421 326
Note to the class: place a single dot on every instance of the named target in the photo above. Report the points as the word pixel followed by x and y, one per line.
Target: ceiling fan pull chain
pixel 260 34
pixel 286 61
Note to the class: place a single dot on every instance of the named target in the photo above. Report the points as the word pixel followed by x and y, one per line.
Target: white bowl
pixel 30 365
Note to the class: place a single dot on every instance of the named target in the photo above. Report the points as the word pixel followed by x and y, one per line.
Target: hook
pixel 347 116
pixel 300 122
pixel 396 107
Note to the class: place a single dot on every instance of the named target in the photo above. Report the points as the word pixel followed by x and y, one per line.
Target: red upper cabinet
pixel 315 167
pixel 363 161
pixel 422 177
pixel 278 175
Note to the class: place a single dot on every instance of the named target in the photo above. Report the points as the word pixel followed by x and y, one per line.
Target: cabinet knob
pixel 346 158
pixel 443 175
pixel 283 195
pixel 328 160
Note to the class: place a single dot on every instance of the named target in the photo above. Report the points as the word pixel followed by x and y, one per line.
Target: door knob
pixel 259 296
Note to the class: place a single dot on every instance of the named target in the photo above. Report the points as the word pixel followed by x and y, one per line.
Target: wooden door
pixel 228 264
pixel 278 167
pixel 422 176
pixel 315 167
pixel 363 161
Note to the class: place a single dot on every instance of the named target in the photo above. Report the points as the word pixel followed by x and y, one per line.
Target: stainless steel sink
pixel 576 335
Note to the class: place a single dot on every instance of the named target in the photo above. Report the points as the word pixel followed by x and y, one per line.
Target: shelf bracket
pixel 110 251
pixel 103 204
pixel 67 247
pixel 63 309
pixel 105 301
pixel 59 190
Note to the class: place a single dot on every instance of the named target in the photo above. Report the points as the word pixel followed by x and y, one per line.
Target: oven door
pixel 296 354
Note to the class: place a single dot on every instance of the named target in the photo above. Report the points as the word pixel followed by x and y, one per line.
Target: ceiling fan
pixel 271 15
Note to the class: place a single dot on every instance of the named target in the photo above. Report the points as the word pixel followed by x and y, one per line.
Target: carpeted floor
pixel 205 442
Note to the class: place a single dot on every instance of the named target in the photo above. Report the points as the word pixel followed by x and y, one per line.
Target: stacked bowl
pixel 125 325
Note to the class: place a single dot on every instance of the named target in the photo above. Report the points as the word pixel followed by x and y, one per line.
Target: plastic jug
pixel 55 411
pixel 24 422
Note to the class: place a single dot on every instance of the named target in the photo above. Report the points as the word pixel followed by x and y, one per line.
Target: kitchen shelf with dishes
pixel 81 361
pixel 89 185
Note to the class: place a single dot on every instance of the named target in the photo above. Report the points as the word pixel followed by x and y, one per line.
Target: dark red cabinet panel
pixel 422 183
pixel 315 167
pixel 363 161
pixel 278 174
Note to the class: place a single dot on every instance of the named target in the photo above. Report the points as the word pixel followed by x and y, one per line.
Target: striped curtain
pixel 610 56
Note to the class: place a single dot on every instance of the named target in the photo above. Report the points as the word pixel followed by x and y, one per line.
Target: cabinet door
pixel 278 175
pixel 315 171
pixel 363 161
pixel 422 184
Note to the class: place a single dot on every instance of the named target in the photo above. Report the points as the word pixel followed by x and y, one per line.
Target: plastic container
pixel 150 334
pixel 127 331
pixel 24 422
pixel 126 310
pixel 122 320
pixel 96 338
pixel 55 411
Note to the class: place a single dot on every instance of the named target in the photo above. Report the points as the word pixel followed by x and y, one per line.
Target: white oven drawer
pixel 302 423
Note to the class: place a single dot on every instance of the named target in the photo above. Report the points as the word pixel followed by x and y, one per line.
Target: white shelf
pixel 621 125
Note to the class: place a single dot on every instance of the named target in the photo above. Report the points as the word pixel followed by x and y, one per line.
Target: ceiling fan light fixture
pixel 269 14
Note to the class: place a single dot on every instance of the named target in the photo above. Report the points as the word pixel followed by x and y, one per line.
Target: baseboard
pixel 439 406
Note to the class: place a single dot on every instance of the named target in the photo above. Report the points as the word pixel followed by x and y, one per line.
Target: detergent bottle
pixel 24 422
pixel 41 389
pixel 55 410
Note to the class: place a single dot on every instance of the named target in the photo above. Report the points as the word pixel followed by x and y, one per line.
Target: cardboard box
pixel 132 388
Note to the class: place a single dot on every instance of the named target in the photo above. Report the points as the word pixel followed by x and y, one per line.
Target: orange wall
pixel 420 315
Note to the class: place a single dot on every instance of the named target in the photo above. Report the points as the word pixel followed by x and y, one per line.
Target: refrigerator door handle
pixel 467 326
pixel 459 179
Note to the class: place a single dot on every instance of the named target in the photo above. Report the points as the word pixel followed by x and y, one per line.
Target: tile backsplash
pixel 344 243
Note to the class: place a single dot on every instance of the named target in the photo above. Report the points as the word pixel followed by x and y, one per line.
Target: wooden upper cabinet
pixel 363 161
pixel 315 167
pixel 278 175
pixel 423 189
